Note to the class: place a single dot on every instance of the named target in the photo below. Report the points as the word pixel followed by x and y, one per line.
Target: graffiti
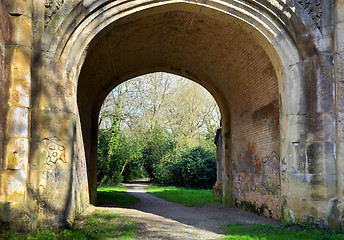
pixel 314 9
pixel 284 169
pixel 55 177
pixel 272 188
pixel 56 152
pixel 254 174
pixel 239 192
pixel 305 177
pixel 80 170
pixel 249 164
pixel 271 174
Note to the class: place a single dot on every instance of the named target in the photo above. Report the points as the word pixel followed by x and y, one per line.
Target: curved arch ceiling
pixel 219 55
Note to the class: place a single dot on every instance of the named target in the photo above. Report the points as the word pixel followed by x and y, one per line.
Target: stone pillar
pixel 308 168
pixel 336 219
pixel 217 188
pixel 227 165
pixel 14 166
pixel 57 177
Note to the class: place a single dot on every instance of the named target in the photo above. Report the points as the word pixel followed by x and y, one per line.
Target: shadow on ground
pixel 161 219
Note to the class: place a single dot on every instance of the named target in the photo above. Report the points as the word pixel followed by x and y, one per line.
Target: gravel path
pixel 160 219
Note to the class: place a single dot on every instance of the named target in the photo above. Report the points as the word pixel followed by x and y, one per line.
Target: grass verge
pixel 99 225
pixel 190 197
pixel 115 196
pixel 267 232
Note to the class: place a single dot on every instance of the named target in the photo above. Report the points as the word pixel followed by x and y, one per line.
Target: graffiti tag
pixel 56 151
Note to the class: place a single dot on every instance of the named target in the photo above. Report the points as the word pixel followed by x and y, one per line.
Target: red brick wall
pixel 256 140
pixel 245 75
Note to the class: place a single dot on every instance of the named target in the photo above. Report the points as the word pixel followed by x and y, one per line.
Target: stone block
pixel 295 100
pixel 20 68
pixel 299 184
pixel 19 7
pixel 319 187
pixel 56 95
pixel 54 124
pixel 340 165
pixel 323 41
pixel 303 208
pixel 340 11
pixel 21 31
pixel 310 127
pixel 340 37
pixel 331 186
pixel 55 186
pixel 17 122
pixel 340 127
pixel 330 158
pixel 16 156
pixel 315 159
pixel 339 74
pixel 33 180
pixel 19 94
pixel 12 184
pixel 310 94
pixel 324 85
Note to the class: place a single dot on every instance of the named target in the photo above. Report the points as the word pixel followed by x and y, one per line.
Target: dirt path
pixel 160 219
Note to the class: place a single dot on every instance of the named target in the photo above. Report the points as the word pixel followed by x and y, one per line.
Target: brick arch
pixel 265 40
pixel 216 54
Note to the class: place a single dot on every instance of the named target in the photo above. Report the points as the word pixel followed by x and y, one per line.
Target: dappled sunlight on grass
pixel 190 197
pixel 99 225
pixel 105 225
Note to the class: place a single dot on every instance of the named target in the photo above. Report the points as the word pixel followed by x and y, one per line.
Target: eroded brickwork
pixel 256 138
pixel 256 160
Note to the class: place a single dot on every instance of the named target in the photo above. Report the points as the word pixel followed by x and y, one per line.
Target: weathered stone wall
pixel 336 218
pixel 243 72
pixel 274 66
pixel 15 104
pixel 3 90
pixel 58 188
pixel 308 173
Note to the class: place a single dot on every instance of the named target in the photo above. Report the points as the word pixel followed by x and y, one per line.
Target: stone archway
pixel 240 67
pixel 255 57
pixel 223 58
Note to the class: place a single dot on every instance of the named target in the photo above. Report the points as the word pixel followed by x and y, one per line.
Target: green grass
pixel 99 225
pixel 190 197
pixel 116 196
pixel 288 232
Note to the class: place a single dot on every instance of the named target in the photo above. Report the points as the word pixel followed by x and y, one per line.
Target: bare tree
pixel 178 105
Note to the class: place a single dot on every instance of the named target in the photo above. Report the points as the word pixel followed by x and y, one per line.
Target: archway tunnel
pixel 222 57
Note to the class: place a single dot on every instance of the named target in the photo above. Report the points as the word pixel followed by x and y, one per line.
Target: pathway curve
pixel 160 219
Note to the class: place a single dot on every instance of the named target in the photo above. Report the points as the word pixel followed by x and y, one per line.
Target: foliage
pixel 194 167
pixel 99 225
pixel 151 126
pixel 241 231
pixel 115 196
pixel 190 197
pixel 115 153
pixel 156 144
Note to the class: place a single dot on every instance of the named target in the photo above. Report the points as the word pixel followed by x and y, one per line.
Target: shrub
pixel 195 168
